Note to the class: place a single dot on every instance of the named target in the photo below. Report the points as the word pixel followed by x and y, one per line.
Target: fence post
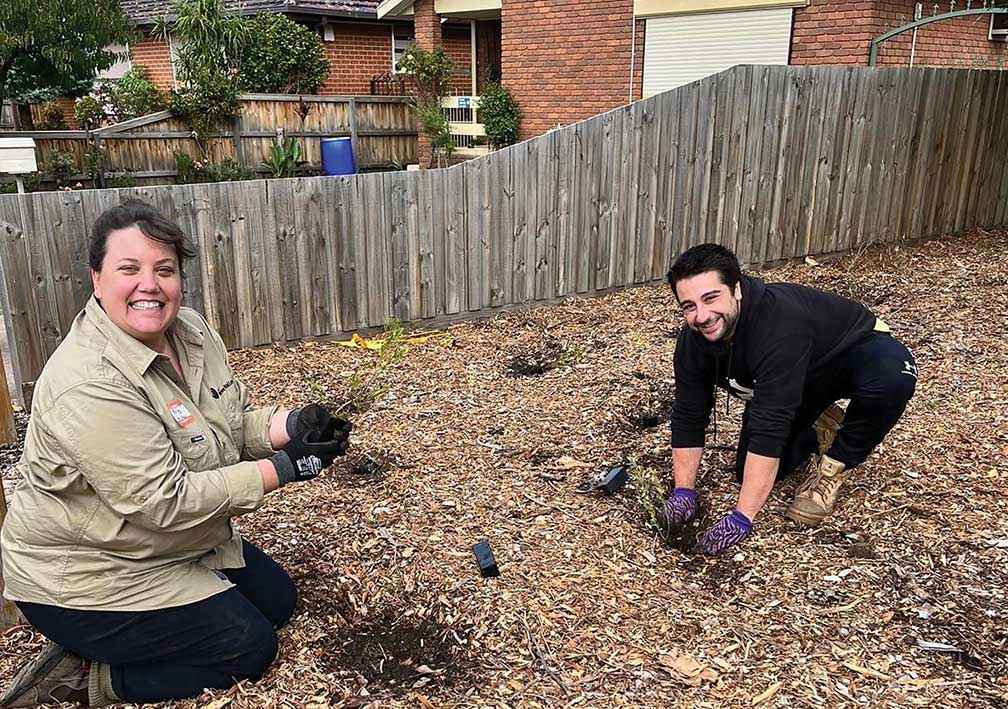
pixel 236 136
pixel 8 434
pixel 353 129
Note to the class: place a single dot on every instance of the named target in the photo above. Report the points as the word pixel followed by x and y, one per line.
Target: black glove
pixel 315 419
pixel 317 438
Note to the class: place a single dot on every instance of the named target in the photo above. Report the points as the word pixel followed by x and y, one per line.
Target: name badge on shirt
pixel 180 413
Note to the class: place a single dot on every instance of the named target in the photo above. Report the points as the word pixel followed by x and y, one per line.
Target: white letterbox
pixel 17 156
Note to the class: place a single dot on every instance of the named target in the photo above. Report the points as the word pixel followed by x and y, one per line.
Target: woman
pixel 118 544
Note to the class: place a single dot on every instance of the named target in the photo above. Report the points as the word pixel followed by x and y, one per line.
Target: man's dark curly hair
pixel 704 258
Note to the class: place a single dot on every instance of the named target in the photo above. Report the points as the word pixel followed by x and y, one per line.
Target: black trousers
pixel 878 375
pixel 174 653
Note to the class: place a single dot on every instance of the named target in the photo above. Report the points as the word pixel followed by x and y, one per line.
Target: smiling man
pixel 790 352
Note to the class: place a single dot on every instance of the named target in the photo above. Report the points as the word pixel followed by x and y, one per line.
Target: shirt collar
pixel 134 353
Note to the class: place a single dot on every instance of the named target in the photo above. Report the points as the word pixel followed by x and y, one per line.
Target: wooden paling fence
pixel 381 127
pixel 774 162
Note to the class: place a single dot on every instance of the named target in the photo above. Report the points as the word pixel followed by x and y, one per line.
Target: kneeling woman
pixel 118 545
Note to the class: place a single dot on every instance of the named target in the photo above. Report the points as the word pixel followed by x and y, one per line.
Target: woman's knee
pixel 260 649
pixel 287 597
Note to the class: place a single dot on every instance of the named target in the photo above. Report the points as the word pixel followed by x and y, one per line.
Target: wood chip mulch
pixel 486 431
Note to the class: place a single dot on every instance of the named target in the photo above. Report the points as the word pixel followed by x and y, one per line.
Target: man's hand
pixel 678 510
pixel 725 534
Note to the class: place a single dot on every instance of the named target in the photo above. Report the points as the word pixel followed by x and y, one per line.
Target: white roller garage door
pixel 683 48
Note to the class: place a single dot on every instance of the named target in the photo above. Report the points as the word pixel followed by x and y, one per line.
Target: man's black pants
pixel 174 653
pixel 878 375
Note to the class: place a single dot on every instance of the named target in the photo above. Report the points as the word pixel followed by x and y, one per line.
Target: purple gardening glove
pixel 679 508
pixel 726 533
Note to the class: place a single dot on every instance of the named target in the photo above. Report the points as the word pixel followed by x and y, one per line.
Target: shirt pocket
pixel 195 448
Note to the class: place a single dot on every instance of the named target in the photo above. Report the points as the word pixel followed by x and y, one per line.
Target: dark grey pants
pixel 878 375
pixel 174 653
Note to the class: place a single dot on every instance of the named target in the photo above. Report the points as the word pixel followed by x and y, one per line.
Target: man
pixel 790 352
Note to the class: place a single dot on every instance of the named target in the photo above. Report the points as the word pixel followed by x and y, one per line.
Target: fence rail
pixel 381 127
pixel 774 162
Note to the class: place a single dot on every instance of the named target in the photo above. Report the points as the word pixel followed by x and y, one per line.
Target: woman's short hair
pixel 136 212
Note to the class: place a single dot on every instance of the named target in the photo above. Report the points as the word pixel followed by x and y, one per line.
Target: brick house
pixel 565 60
pixel 358 45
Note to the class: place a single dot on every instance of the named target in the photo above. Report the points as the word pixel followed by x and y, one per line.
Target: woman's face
pixel 139 285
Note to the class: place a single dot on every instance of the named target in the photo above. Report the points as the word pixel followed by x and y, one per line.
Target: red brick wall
pixel 838 32
pixel 566 60
pixel 957 43
pixel 357 52
pixel 154 56
pixel 456 42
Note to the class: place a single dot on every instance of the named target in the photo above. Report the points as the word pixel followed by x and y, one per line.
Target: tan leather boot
pixel 827 425
pixel 54 675
pixel 815 498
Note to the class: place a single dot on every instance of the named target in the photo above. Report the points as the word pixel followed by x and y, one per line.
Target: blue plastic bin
pixel 338 157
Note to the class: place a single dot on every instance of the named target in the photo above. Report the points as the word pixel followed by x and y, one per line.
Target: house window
pixel 999 27
pixel 400 43
pixel 122 64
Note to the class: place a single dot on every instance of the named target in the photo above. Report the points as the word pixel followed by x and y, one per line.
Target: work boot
pixel 826 427
pixel 815 498
pixel 55 675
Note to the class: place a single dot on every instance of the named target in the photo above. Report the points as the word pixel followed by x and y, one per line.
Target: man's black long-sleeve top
pixel 786 334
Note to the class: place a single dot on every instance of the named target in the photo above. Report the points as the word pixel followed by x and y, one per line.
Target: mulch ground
pixel 486 431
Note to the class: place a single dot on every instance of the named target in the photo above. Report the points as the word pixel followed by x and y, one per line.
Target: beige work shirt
pixel 130 475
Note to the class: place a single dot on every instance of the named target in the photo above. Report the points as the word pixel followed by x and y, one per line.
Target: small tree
pixel 283 57
pixel 428 73
pixel 211 45
pixel 130 96
pixel 500 115
pixel 57 45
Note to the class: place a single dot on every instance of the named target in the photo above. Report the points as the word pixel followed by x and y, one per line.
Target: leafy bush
pixel 428 73
pixel 500 115
pixel 89 113
pixel 282 57
pixel 433 122
pixel 31 182
pixel 60 166
pixel 191 170
pixel 130 96
pixel 125 179
pixel 95 162
pixel 205 108
pixel 51 117
pixel 284 158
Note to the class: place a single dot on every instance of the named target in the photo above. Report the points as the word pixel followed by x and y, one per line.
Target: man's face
pixel 709 306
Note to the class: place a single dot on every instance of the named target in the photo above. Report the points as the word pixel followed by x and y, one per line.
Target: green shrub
pixel 89 113
pixel 282 57
pixel 284 158
pixel 428 73
pixel 215 102
pixel 125 179
pixel 191 170
pixel 132 95
pixel 60 166
pixel 500 115
pixel 51 117
pixel 95 162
